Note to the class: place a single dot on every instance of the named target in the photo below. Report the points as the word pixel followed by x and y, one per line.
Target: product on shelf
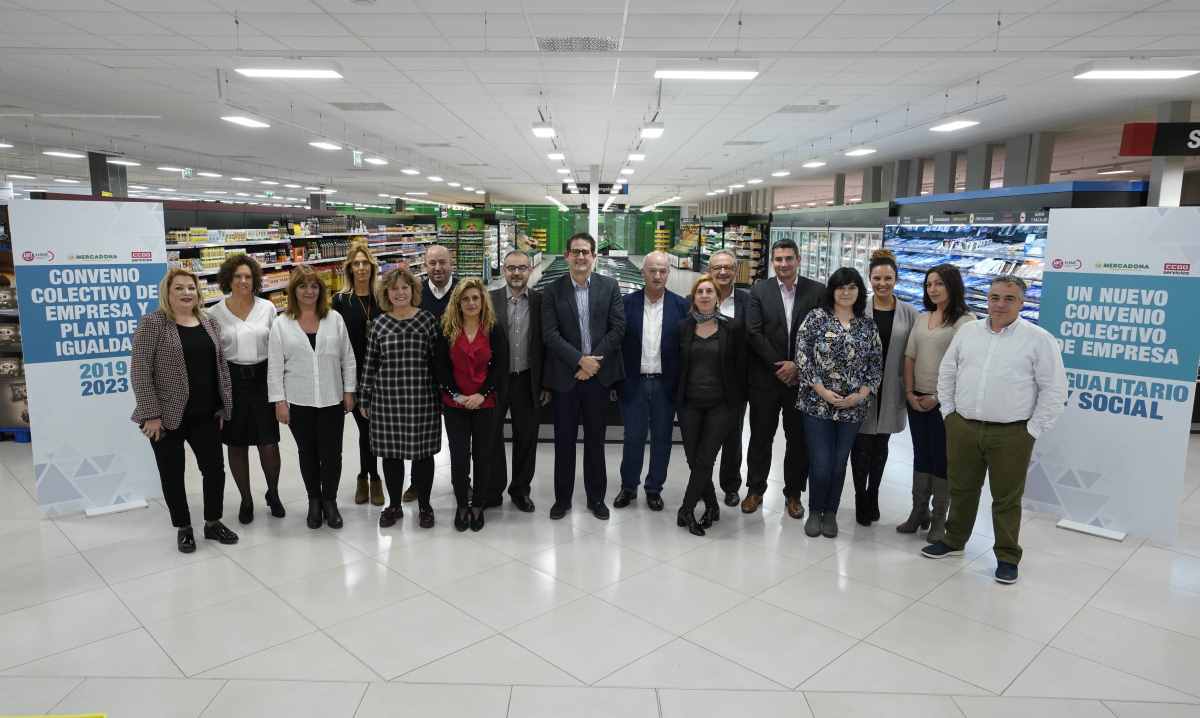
pixel 628 276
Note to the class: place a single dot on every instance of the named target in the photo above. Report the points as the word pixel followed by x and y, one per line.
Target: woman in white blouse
pixel 245 320
pixel 311 380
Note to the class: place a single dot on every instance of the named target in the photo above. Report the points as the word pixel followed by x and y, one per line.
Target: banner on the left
pixel 86 272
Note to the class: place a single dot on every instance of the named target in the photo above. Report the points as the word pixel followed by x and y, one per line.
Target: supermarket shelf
pixel 247 243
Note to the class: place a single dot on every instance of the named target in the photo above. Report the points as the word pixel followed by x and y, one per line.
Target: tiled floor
pixel 633 617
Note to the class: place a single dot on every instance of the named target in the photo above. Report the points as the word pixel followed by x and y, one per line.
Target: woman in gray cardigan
pixel 886 416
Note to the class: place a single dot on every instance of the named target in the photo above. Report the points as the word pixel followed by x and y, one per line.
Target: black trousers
pixel 731 451
pixel 204 436
pixel 368 465
pixel 703 428
pixel 318 434
pixel 422 480
pixel 469 434
pixel 765 408
pixel 586 402
pixel 868 458
pixel 518 400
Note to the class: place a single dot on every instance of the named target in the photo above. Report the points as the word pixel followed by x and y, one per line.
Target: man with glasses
pixel 583 323
pixel 651 353
pixel 733 303
pixel 519 313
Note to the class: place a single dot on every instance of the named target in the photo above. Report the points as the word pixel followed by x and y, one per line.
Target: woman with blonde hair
pixel 181 386
pixel 311 380
pixel 470 361
pixel 398 394
pixel 359 309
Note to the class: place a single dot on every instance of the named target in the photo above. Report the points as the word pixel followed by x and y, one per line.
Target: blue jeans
pixel 829 444
pixel 649 407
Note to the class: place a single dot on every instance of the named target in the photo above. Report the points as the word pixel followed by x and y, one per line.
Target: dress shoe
pixel 812 527
pixel 315 519
pixel 654 501
pixel 390 516
pixel 276 505
pixel 362 491
pixel 795 508
pixel 410 495
pixel 751 503
pixel 376 491
pixel 681 518
pixel 425 518
pixel 523 503
pixel 599 510
pixel 694 527
pixel 1006 572
pixel 707 518
pixel 829 527
pixel 462 519
pixel 557 511
pixel 186 540
pixel 732 498
pixel 477 519
pixel 217 531
pixel 624 498
pixel 246 512
pixel 332 517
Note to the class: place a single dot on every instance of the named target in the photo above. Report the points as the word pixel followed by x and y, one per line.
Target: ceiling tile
pixel 872 7
pixel 673 25
pixel 1106 43
pixel 269 6
pixel 471 24
pixel 990 6
pixel 24 22
pixel 558 23
pixel 1174 42
pixel 293 24
pixel 388 25
pixel 385 44
pixel 1050 24
pixel 309 42
pixel 862 26
pixel 1100 5
pixel 1155 23
pixel 753 26
pixel 200 24
pixel 951 25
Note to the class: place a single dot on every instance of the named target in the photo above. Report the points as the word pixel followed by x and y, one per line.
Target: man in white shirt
pixel 651 352
pixel 1001 385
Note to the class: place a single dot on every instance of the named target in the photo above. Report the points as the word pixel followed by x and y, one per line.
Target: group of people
pixel 844 368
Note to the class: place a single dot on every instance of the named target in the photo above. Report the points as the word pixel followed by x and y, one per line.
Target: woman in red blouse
pixel 470 360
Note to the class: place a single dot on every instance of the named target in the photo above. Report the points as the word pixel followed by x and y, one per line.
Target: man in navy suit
pixel 733 303
pixel 651 352
pixel 583 323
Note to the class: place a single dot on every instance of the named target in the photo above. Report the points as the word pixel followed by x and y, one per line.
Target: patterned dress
pixel 398 389
pixel 841 359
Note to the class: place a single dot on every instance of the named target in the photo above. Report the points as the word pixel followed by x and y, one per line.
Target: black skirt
pixel 253 422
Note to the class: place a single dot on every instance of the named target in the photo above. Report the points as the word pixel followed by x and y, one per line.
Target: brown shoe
pixel 376 492
pixel 795 509
pixel 410 495
pixel 751 503
pixel 360 492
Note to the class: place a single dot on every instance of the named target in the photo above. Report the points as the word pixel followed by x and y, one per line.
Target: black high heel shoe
pixel 275 504
pixel 332 516
pixel 315 518
pixel 477 519
pixel 462 519
pixel 694 527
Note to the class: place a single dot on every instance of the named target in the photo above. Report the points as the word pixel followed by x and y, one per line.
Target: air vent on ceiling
pixel 806 109
pixel 745 143
pixel 577 43
pixel 363 106
pixel 434 144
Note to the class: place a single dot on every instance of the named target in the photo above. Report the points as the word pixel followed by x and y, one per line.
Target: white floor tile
pixel 654 534
pixel 441 559
pixel 140 697
pixel 866 705
pixel 288 559
pixel 28 541
pixel 336 594
pixel 1042 535
pixel 1058 674
pixel 870 669
pixel 1036 614
pixel 972 651
pixel 124 560
pixel 908 574
pixel 740 565
pixel 508 594
pixel 1156 603
pixel 733 704
pixel 34 695
pixel 671 598
pixel 515 534
pixel 49 628
pixel 785 536
pixel 149 523
pixel 778 644
pixel 589 638
pixel 685 665
pixel 219 634
pixel 1152 710
pixel 253 699
pixel 1047 571
pixel 140 657
pixel 408 634
pixel 32 583
pixel 1162 567
pixel 528 702
pixel 1187 540
pixel 1031 708
pixel 189 588
pixel 315 657
pixel 591 562
pixel 834 600
pixel 387 700
pixel 494 661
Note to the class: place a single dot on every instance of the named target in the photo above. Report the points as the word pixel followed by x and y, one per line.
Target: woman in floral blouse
pixel 840 359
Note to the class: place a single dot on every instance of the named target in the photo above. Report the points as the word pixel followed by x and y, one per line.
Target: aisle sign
pixel 86 272
pixel 1120 294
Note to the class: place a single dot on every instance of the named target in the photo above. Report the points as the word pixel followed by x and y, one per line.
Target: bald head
pixel 655 270
pixel 438 265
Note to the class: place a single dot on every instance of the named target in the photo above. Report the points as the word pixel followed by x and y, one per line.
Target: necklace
pixel 366 312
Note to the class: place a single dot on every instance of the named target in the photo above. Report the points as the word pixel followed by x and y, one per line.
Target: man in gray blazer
pixel 583 323
pixel 519 313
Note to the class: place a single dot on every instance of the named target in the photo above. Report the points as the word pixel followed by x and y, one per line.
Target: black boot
pixel 276 505
pixel 693 526
pixel 314 514
pixel 332 517
pixel 860 467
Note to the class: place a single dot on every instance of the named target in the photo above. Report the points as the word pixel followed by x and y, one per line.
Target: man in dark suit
pixel 733 303
pixel 778 306
pixel 651 353
pixel 519 313
pixel 583 322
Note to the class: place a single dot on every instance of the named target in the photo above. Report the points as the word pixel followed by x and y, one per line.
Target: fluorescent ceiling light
pixel 780 173
pixel 385 196
pixel 468 189
pixel 755 180
pixel 165 189
pixel 167 168
pixel 627 170
pixel 718 191
pixel 215 191
pixel 736 186
pixel 652 130
pixel 706 69
pixel 953 126
pixel 622 180
pixel 238 179
pixel 454 184
pixel 479 191
pixel 813 164
pixel 556 156
pixel 1113 171
pixel 323 145
pixel 310 189
pixel 570 182
pixel 64 153
pixel 563 171
pixel 1091 72
pixel 377 161
pixel 5 146
pixel 64 180
pixel 417 194
pixel 411 171
pixel 214 175
pixel 268 182
pixel 326 191
pixel 543 130
pixel 292 186
pixel 245 121
pixel 123 163
pixel 243 194
pixel 286 73
pixel 636 157
pixel 25 177
pixel 261 196
pixel 434 178
pixel 860 152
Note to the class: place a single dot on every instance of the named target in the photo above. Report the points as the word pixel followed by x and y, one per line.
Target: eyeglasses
pixel 720 268
pixel 514 268
pixel 579 252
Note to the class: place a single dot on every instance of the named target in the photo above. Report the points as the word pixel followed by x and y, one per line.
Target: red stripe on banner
pixel 1137 139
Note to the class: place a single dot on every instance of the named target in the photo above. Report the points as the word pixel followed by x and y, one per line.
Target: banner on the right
pixel 1121 293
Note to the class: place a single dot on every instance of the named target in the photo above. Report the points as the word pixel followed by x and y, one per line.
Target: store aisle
pixel 531 617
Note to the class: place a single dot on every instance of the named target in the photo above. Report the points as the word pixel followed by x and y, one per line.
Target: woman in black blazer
pixel 708 398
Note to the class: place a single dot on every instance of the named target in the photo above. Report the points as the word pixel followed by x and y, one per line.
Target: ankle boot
pixel 332 516
pixel 314 514
pixel 862 508
pixel 276 505
pixel 873 503
pixel 918 518
pixel 376 491
pixel 361 492
pixel 941 505
pixel 860 465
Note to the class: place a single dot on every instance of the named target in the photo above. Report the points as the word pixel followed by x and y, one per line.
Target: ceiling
pixel 464 80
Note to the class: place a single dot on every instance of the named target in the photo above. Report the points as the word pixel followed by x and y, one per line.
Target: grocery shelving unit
pixel 14 400
pixel 628 276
